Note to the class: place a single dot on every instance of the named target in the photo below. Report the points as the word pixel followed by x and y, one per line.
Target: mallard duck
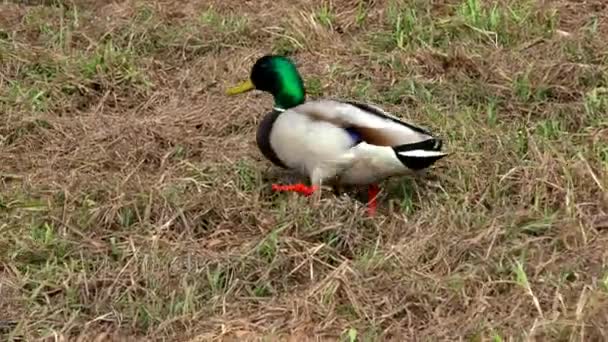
pixel 333 141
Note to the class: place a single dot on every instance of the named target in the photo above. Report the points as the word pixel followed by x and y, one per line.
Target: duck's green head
pixel 278 76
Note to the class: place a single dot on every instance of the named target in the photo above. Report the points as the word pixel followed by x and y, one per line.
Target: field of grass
pixel 134 203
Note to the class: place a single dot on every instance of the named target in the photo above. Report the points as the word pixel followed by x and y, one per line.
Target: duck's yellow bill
pixel 241 88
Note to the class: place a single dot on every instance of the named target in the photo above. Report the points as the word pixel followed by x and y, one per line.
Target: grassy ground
pixel 135 203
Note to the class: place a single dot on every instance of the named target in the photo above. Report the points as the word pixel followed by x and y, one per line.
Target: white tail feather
pixel 422 153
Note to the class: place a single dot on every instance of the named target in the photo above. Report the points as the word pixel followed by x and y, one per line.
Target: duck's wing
pixel 373 125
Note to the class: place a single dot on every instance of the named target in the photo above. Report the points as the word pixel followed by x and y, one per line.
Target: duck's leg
pixel 372 194
pixel 321 172
pixel 317 176
pixel 293 184
pixel 299 188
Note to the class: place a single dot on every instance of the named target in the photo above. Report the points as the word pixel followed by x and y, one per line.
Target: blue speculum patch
pixel 354 135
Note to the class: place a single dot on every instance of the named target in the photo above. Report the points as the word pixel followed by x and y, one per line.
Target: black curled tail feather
pixel 432 144
pixel 420 162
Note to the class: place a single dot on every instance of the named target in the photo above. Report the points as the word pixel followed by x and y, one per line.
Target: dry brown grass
pixel 135 204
